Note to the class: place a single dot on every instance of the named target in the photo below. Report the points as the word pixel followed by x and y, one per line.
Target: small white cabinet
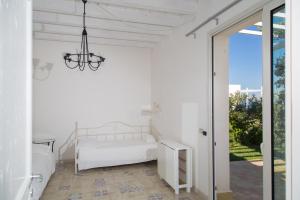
pixel 175 164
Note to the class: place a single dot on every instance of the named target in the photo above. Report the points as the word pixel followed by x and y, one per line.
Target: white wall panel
pixel 180 73
pixel 293 7
pixel 116 92
pixel 15 99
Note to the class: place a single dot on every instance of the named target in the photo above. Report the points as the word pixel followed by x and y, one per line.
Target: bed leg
pixel 76 169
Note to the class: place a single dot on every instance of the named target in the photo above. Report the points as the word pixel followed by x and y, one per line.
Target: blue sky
pixel 245 60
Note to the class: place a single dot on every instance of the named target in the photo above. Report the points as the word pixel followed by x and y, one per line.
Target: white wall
pixel 15 99
pixel 179 76
pixel 114 93
pixel 179 84
pixel 179 80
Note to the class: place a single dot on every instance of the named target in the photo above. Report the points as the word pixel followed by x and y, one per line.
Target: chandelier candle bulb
pixel 84 57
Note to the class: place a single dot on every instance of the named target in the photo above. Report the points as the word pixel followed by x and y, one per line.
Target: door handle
pixel 37 176
pixel 33 177
pixel 202 131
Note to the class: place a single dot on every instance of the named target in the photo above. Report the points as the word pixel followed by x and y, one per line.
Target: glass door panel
pixel 278 101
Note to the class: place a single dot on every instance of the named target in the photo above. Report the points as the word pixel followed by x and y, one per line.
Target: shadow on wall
pixel 68 154
pixel 41 72
pixel 156 134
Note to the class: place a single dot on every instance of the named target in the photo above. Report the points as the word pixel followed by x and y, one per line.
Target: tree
pixel 279 102
pixel 279 90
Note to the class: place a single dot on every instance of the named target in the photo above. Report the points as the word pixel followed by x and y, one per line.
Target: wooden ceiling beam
pixel 162 9
pixel 137 22
pixel 112 29
pixel 94 36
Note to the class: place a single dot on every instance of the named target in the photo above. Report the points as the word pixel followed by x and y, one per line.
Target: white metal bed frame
pixel 107 131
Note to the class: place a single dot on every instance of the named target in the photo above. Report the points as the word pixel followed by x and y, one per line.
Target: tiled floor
pixel 131 182
pixel 246 180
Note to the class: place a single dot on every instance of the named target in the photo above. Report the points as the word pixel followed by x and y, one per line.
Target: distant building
pixel 233 88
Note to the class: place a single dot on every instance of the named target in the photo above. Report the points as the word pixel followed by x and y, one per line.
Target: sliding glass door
pixel 278 101
pixel 274 105
pixel 274 98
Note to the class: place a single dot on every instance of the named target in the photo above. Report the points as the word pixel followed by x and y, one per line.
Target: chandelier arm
pixel 93 67
pixel 87 49
pixel 84 46
pixel 79 55
pixel 98 64
pixel 80 63
pixel 69 66
pixel 68 60
pixel 83 51
pixel 83 36
pixel 81 68
pixel 100 58
pixel 81 46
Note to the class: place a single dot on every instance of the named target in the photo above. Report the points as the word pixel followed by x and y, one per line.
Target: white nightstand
pixel 175 164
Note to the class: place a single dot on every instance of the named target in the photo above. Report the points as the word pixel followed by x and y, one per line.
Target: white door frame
pixel 292 95
pixel 226 25
pixel 221 101
pixel 267 136
pixel 252 10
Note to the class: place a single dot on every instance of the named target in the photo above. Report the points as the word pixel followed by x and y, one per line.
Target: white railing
pixel 114 128
pixel 68 143
pixel 248 91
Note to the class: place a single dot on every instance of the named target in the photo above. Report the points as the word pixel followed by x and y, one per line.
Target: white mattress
pixel 43 162
pixel 93 153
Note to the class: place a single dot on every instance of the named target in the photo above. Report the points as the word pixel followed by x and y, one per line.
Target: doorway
pixel 226 182
pixel 245 113
pixel 272 17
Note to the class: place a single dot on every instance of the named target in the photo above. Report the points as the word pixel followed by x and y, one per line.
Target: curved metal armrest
pixel 48 142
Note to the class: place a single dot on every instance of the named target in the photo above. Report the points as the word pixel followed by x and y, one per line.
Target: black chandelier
pixel 84 57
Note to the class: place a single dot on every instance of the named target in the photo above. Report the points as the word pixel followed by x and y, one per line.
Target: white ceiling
pixel 138 23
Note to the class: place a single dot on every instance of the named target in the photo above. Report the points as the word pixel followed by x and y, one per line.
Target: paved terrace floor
pixel 246 180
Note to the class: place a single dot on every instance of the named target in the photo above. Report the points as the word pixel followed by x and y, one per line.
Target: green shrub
pixel 245 115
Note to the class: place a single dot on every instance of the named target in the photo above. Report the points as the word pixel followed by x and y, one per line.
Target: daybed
pixel 111 144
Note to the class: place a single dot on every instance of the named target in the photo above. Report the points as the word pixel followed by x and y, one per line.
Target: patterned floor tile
pixel 129 182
